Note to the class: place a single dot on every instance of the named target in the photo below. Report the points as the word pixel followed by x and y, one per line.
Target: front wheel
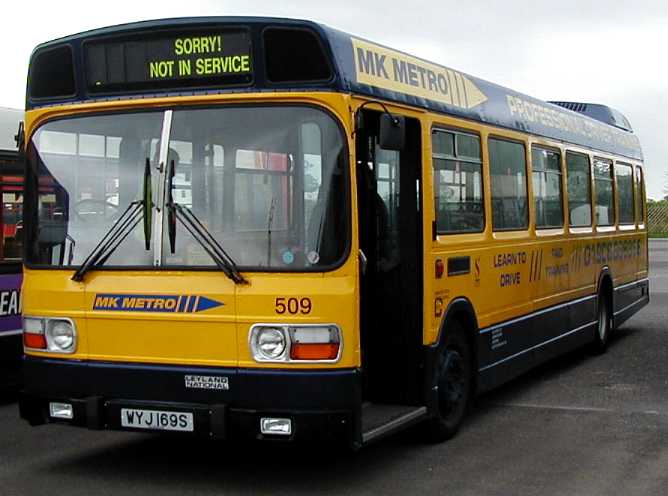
pixel 454 380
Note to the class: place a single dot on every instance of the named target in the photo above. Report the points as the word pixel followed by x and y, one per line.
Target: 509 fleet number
pixel 293 306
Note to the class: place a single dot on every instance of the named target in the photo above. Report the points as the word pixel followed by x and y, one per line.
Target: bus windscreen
pixel 181 59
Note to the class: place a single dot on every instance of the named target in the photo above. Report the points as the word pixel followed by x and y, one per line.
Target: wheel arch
pixel 460 309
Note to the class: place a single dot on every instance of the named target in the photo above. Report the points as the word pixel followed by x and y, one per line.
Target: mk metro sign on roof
pixel 241 54
pixel 394 71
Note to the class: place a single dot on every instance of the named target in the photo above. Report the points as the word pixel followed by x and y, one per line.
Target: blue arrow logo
pixel 204 303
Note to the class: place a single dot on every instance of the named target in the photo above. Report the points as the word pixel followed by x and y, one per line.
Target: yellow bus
pixel 269 229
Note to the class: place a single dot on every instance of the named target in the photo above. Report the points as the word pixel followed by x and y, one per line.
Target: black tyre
pixel 603 324
pixel 454 378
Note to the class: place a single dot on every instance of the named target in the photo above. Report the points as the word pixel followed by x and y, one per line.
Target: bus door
pixel 391 252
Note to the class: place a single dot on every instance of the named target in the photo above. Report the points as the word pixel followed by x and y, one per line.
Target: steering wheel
pixel 84 210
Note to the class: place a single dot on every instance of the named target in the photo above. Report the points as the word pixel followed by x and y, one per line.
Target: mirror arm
pixel 20 137
pixel 358 123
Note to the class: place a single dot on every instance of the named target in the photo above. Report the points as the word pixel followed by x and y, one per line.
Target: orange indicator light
pixel 35 341
pixel 314 351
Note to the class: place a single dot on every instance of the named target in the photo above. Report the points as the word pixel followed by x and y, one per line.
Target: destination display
pixel 202 58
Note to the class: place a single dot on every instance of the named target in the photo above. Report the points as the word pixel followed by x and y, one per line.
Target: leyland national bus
pixel 11 206
pixel 269 229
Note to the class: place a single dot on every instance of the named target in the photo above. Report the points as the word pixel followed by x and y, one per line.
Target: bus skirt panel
pixel 224 402
pixel 511 348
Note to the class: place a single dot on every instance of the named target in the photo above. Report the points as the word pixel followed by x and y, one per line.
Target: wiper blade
pixel 270 221
pixel 198 231
pixel 171 215
pixel 147 204
pixel 202 235
pixel 126 223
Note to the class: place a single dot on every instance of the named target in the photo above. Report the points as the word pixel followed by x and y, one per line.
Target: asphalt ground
pixel 579 425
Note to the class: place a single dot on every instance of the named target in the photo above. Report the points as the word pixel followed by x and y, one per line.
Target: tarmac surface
pixel 579 425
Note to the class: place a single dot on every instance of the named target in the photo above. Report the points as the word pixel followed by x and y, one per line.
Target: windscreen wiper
pixel 202 235
pixel 126 223
pixel 199 232
pixel 110 241
pixel 270 221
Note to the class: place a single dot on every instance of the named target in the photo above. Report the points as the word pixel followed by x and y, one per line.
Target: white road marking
pixel 570 408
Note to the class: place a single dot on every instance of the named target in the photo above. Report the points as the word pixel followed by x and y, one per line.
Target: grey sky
pixel 609 51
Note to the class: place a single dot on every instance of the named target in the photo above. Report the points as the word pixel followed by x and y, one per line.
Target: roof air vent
pixel 599 112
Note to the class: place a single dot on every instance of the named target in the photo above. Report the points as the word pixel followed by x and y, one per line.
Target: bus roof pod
pixel 268 54
pixel 599 112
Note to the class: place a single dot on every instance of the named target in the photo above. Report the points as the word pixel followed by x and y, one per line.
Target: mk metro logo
pixel 154 303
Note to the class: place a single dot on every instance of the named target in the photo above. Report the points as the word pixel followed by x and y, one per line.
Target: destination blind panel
pixel 192 59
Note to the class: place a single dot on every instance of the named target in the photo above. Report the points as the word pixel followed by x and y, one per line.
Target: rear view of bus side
pixel 251 228
pixel 11 235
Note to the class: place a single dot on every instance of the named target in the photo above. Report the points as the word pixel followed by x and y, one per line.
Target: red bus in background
pixel 11 245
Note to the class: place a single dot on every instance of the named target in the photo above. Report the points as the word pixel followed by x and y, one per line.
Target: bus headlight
pixel 295 343
pixel 56 335
pixel 268 343
pixel 60 335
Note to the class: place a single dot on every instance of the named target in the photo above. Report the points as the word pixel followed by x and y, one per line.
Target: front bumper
pixel 323 405
pixel 11 351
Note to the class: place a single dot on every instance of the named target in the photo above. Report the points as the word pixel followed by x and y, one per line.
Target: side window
pixel 508 169
pixel 547 192
pixel 388 164
pixel 605 204
pixel 11 189
pixel 579 190
pixel 458 200
pixel 640 196
pixel 624 178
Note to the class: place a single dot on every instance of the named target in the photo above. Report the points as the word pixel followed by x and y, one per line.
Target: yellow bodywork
pixel 559 265
pixel 219 337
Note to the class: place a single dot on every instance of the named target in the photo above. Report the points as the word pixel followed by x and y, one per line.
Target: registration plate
pixel 157 420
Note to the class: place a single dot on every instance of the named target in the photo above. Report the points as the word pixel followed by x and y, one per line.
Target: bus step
pixel 380 420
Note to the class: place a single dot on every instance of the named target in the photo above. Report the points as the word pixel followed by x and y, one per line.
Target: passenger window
pixel 547 190
pixel 624 177
pixel 388 193
pixel 605 204
pixel 11 189
pixel 640 196
pixel 579 190
pixel 507 164
pixel 458 200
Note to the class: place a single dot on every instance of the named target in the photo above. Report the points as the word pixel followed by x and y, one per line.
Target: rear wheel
pixel 603 324
pixel 454 380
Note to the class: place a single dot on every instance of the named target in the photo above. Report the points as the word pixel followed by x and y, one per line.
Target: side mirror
pixel 392 135
pixel 20 138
